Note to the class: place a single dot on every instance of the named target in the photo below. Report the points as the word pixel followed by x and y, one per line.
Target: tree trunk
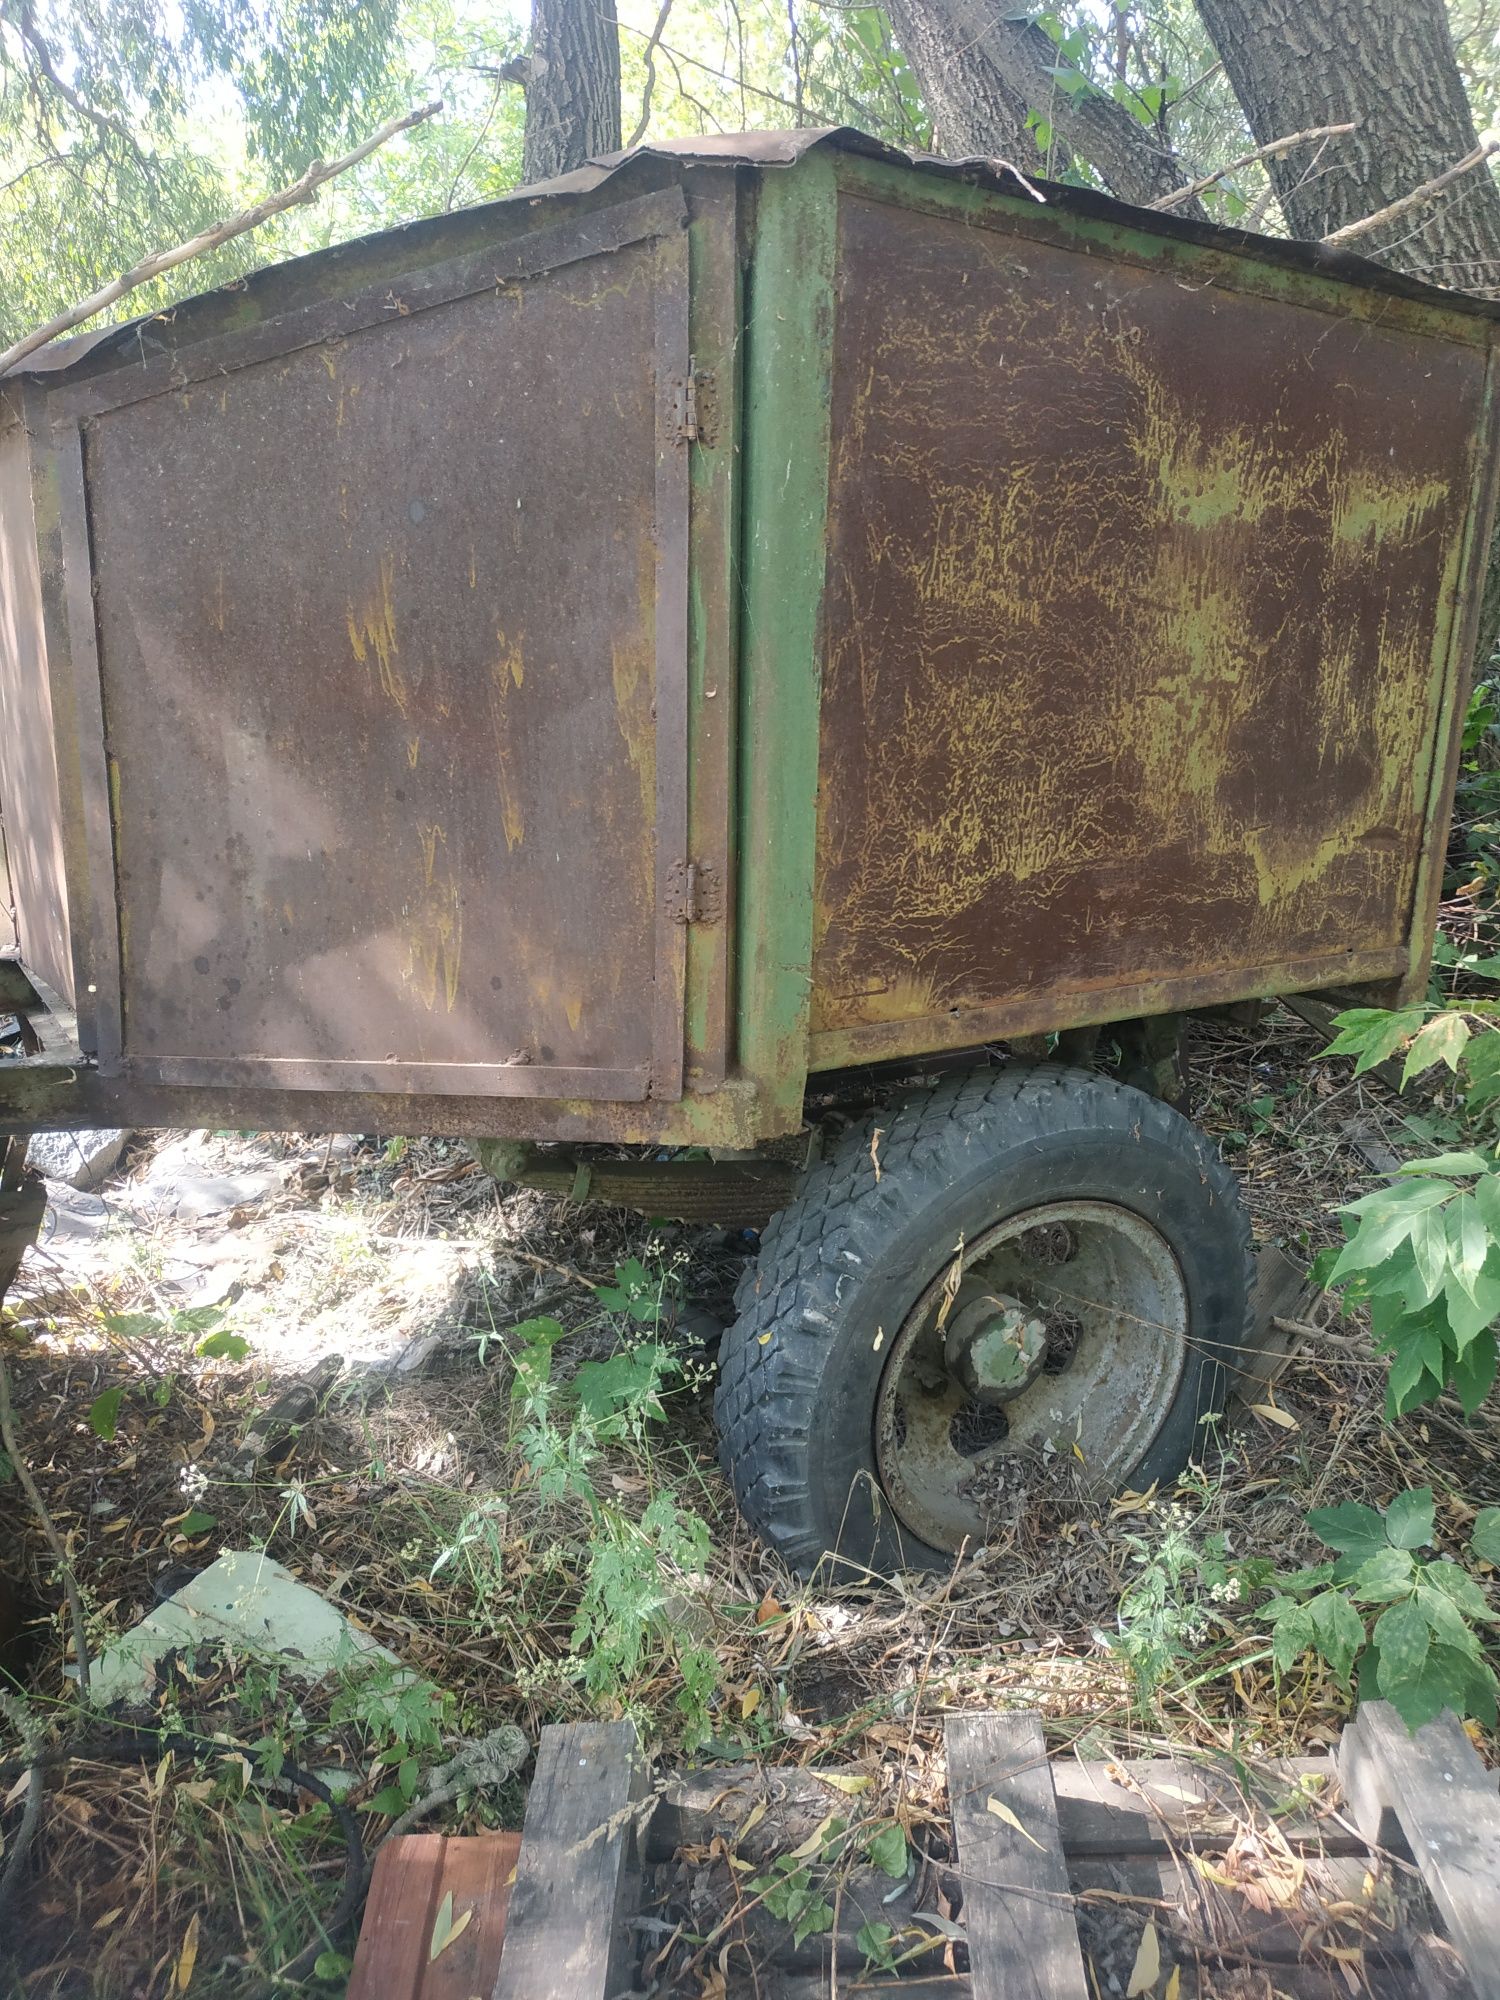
pixel 975 113
pixel 572 79
pixel 971 60
pixel 1390 64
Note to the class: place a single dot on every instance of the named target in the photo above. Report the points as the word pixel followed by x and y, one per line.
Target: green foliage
pixel 1424 1252
pixel 887 1851
pixel 637 1570
pixel 1406 1623
pixel 398 1717
pixel 1184 1579
pixel 104 1413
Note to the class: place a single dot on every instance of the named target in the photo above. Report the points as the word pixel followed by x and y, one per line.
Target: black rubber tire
pixel 799 1370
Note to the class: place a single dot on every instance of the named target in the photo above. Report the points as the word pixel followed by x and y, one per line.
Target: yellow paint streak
pixel 372 632
pixel 507 673
pixel 435 947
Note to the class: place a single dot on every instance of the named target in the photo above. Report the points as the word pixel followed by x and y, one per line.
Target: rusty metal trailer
pixel 570 671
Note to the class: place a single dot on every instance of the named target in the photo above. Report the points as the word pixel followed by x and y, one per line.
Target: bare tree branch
pixel 1489 145
pixel 1194 188
pixel 212 238
pixel 650 61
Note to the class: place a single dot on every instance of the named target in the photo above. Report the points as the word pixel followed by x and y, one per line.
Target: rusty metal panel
pixel 391 656
pixel 1134 594
pixel 28 761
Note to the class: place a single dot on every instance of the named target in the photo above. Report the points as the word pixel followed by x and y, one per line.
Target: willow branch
pixel 1267 152
pixel 1488 146
pixel 212 238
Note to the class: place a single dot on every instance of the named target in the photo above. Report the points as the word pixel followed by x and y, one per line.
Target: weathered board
pixel 1431 1792
pixel 568 1936
pixel 1018 1906
pixel 416 1945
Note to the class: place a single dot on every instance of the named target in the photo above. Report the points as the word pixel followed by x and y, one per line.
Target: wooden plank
pixel 1280 1292
pixel 393 1959
pixel 1154 1804
pixel 397 1924
pixel 568 1937
pixel 1434 1787
pixel 1017 1908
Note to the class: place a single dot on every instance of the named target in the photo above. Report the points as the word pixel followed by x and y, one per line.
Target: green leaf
pixel 1459 1588
pixel 390 1800
pixel 1470 1312
pixel 874 1940
pixel 1350 1528
pixel 1468 1241
pixel 1444 1620
pixel 195 1522
pixel 1487 1194
pixel 1445 1679
pixel 1441 1041
pixel 1448 1163
pixel 1429 1246
pixel 1403 1640
pixel 1338 1631
pixel 887 1852
pixel 223 1347
pixel 1410 1382
pixel 1372 1033
pixel 1291 1635
pixel 1485 1540
pixel 1409 1519
pixel 1474 1371
pixel 104 1413
pixel 1387 1574
pixel 1399 1195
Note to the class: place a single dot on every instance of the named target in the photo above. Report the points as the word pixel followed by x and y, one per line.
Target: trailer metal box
pixel 569 668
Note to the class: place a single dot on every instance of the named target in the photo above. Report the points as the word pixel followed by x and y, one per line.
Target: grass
pixel 464 1527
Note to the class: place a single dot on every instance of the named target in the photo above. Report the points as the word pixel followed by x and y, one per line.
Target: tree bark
pixel 975 113
pixel 970 61
pixel 572 79
pixel 1390 65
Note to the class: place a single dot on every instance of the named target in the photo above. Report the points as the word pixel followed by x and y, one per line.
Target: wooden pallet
pixel 1236 1872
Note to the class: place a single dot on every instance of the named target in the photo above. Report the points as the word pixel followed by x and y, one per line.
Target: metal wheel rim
pixel 1095 1414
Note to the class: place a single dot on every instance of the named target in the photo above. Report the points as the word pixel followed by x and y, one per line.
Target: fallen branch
pixel 1267 152
pixel 212 238
pixel 22 1471
pixel 1487 147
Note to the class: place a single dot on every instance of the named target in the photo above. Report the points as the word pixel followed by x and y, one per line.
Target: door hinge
pixel 693 893
pixel 689 414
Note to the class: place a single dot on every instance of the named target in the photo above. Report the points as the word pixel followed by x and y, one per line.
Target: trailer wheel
pixel 880 1380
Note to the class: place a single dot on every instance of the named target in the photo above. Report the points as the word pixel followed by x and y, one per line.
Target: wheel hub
pixel 996 1347
pixel 1061 1346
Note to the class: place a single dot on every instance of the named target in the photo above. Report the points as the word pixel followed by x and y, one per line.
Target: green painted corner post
pixel 789 321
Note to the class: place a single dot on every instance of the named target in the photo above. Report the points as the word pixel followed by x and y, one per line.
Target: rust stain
pixel 1128 653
